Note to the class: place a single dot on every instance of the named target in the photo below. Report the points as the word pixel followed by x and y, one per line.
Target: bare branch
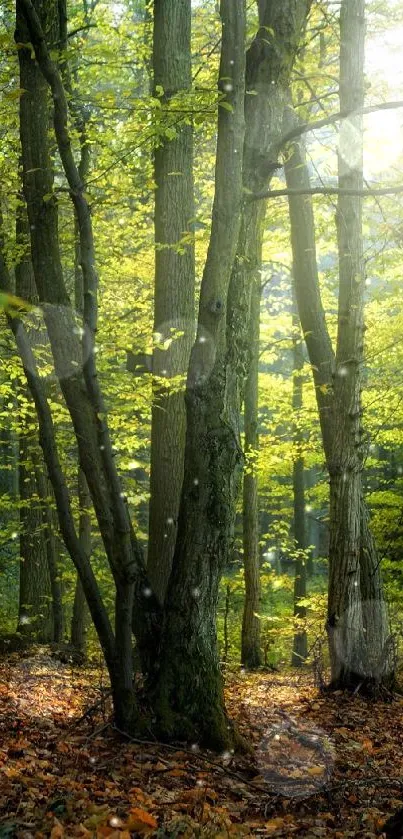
pixel 304 127
pixel 326 190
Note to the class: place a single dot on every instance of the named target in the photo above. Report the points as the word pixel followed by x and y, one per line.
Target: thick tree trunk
pixel 189 691
pixel 300 646
pixel 174 304
pixel 251 655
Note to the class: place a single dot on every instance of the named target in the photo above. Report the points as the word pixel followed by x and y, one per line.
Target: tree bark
pixel 189 703
pixel 189 690
pixel 174 288
pixel 251 655
pixel 35 619
pixel 267 78
pixel 40 598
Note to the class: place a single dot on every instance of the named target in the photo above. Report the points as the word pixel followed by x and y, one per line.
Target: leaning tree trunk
pixel 75 366
pixel 300 646
pixel 251 654
pixel 174 303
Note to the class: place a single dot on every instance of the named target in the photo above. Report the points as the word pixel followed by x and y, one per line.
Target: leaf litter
pixel 321 766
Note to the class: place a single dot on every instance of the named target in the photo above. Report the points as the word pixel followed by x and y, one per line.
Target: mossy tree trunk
pixel 188 683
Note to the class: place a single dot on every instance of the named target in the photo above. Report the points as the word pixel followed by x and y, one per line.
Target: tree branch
pixel 304 127
pixel 326 190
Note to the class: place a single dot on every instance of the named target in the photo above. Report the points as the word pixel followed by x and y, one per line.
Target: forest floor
pixel 323 765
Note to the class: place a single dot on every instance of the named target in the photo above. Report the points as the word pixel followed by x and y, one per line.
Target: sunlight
pixel 384 72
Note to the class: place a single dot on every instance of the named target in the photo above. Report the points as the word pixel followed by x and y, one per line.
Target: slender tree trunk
pixel 251 655
pixel 267 75
pixel 80 616
pixel 300 646
pixel 49 526
pixel 357 646
pixel 174 304
pixel 357 615
pixel 79 384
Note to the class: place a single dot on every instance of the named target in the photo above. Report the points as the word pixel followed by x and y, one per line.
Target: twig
pixel 197 755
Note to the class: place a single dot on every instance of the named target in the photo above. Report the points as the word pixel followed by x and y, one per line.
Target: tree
pixel 174 285
pixel 40 616
pixel 357 618
pixel 267 78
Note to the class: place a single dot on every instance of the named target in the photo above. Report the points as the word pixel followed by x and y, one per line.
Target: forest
pixel 201 418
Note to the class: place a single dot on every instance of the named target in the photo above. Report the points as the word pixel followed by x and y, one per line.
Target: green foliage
pixel 276 614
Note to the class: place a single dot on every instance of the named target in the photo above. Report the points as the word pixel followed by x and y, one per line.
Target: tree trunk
pixel 357 615
pixel 49 525
pixel 79 385
pixel 80 616
pixel 191 702
pixel 300 646
pixel 251 655
pixel 267 76
pixel 35 602
pixel 40 600
pixel 357 647
pixel 189 690
pixel 174 304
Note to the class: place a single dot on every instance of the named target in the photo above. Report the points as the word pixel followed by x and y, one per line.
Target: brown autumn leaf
pixel 140 820
pixel 57 830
